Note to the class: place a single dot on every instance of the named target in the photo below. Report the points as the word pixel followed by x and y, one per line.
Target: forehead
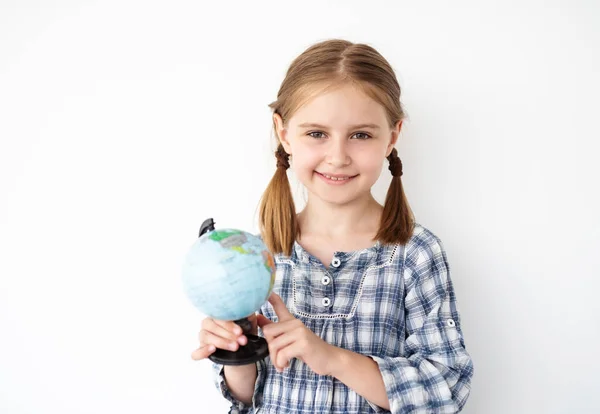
pixel 339 107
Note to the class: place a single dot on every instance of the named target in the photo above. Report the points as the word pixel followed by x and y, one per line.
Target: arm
pixel 240 381
pixel 241 385
pixel 238 389
pixel 435 371
pixel 361 374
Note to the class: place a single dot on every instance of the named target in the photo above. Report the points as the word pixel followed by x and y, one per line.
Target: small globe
pixel 228 274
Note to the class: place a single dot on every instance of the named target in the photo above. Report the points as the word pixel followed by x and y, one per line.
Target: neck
pixel 334 221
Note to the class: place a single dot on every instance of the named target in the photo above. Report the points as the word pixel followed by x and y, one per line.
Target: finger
pixel 273 330
pixel 263 321
pixel 277 345
pixel 203 352
pixel 253 321
pixel 282 359
pixel 229 326
pixel 280 309
pixel 285 355
pixel 208 338
pixel 225 329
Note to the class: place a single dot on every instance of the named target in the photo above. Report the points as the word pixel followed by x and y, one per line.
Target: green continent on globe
pixel 231 239
pixel 219 235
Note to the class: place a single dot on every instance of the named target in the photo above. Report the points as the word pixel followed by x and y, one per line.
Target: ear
pixel 281 133
pixel 393 138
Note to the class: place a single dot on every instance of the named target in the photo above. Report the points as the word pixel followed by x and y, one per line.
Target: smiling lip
pixel 336 178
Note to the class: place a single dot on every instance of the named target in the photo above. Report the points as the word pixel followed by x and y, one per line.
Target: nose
pixel 337 153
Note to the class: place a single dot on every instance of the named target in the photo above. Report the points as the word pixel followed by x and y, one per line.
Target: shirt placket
pixel 328 288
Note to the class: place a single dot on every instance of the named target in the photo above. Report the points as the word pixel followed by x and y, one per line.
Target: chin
pixel 338 198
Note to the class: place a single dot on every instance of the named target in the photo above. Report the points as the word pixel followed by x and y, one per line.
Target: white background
pixel 124 124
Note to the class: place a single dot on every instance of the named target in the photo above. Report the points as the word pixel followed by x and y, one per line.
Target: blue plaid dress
pixel 395 304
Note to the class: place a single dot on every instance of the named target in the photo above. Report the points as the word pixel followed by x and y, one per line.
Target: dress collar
pixel 374 255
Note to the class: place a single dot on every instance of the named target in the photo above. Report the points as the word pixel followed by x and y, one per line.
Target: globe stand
pixel 255 350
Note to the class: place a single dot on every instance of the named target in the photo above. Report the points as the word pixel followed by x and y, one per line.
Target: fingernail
pixel 211 348
pixel 242 340
pixel 237 330
pixel 233 346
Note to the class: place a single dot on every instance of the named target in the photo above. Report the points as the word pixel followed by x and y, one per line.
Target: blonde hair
pixel 324 66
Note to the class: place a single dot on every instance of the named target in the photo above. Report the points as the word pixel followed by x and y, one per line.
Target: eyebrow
pixel 313 125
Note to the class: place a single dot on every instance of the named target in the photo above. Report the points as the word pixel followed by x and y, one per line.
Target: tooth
pixel 336 178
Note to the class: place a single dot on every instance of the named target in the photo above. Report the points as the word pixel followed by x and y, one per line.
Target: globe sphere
pixel 228 274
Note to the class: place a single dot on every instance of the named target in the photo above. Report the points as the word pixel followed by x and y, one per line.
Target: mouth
pixel 336 178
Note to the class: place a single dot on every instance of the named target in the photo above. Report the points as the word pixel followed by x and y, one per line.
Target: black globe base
pixel 255 350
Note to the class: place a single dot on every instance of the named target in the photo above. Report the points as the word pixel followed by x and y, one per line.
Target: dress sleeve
pixel 238 407
pixel 434 373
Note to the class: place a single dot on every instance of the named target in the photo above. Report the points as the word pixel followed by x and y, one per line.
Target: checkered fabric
pixel 395 304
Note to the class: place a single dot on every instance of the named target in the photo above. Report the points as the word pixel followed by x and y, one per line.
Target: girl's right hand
pixel 223 335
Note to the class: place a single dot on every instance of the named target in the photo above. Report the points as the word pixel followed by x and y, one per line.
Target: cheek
pixel 375 167
pixel 305 162
pixel 369 162
pixel 303 170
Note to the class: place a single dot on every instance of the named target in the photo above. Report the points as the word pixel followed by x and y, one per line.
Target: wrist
pixel 337 361
pixel 239 369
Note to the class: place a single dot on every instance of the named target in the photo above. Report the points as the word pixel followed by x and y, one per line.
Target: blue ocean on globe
pixel 228 274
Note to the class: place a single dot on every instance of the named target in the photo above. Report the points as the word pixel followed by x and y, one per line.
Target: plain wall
pixel 124 124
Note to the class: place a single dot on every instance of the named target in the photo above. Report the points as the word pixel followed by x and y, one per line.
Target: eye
pixel 359 135
pixel 315 132
pixel 364 135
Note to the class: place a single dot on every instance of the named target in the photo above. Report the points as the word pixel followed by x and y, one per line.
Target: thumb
pixel 280 309
pixel 262 320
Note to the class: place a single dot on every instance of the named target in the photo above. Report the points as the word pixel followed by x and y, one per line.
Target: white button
pixel 326 280
pixel 326 302
pixel 451 322
pixel 336 262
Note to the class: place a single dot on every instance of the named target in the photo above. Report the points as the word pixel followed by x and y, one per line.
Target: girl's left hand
pixel 289 338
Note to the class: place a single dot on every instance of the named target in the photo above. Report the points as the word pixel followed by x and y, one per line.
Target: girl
pixel 364 318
